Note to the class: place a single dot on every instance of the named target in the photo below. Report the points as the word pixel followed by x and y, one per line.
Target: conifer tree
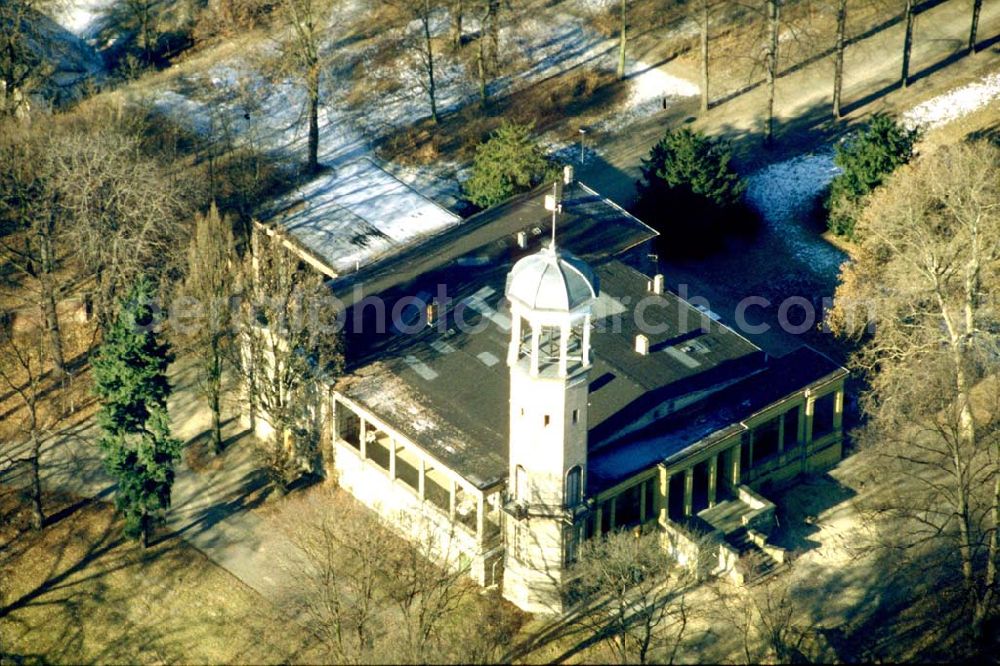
pixel 508 163
pixel 130 379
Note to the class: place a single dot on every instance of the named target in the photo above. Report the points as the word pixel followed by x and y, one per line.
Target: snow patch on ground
pixel 954 104
pixel 651 91
pixel 81 17
pixel 784 193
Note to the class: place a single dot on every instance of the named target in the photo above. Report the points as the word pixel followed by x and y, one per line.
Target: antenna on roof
pixel 553 202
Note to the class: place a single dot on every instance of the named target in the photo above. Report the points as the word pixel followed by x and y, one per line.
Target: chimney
pixel 656 284
pixel 522 239
pixel 641 345
pixel 568 174
pixel 432 313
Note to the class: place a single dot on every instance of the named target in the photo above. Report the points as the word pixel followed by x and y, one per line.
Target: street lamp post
pixel 583 133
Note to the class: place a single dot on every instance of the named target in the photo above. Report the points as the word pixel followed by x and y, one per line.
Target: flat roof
pixel 716 417
pixel 356 214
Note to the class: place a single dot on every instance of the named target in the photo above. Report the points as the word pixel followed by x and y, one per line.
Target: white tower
pixel 550 296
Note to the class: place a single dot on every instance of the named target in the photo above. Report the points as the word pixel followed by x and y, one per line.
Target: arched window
pixel 574 477
pixel 521 484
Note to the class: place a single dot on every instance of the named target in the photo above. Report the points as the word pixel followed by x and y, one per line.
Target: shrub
pixel 865 162
pixel 689 191
pixel 509 162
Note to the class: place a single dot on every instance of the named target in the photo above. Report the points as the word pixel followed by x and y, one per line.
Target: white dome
pixel 552 280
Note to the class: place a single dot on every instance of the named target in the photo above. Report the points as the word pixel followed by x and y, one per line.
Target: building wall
pixel 415 518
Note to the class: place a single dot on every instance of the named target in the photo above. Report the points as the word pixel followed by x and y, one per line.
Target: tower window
pixel 547 419
pixel 522 411
pixel 521 484
pixel 576 416
pixel 574 477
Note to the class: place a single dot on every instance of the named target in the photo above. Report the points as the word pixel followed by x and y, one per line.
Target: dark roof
pixel 709 420
pixel 448 390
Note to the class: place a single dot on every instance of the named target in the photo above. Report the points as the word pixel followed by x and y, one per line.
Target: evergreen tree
pixel 865 162
pixel 689 191
pixel 131 382
pixel 508 163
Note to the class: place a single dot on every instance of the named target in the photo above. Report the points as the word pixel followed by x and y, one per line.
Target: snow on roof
pixel 356 213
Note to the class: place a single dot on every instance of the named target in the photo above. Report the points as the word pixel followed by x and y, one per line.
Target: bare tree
pixel 122 209
pixel 339 577
pixel 428 589
pixel 977 7
pixel 457 10
pixel 30 211
pixel 22 370
pixel 704 18
pixel 631 596
pixel 908 16
pixel 622 39
pixel 289 347
pixel 923 285
pixel 207 288
pixel 307 25
pixel 771 63
pixel 416 47
pixel 838 57
pixel 22 67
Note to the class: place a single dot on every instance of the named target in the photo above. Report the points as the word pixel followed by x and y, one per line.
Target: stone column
pixel 392 458
pixel 713 473
pixel 480 518
pixel 735 471
pixel 451 500
pixel 563 349
pixel 420 479
pixel 688 490
pixel 663 498
pixel 515 337
pixel 363 437
pixel 838 410
pixel 807 433
pixel 781 435
pixel 534 350
pixel 613 509
pixel 586 341
pixel 642 503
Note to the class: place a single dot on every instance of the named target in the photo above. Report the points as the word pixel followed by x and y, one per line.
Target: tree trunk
pixel 493 12
pixel 312 85
pixel 907 42
pixel 621 42
pixel 977 6
pixel 216 422
pixel 773 19
pixel 429 46
pixel 704 55
pixel 838 62
pixel 481 65
pixel 38 514
pixel 457 10
pixel 49 314
pixel 146 529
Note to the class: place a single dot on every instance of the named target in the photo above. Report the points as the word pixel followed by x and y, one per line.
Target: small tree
pixel 509 162
pixel 687 179
pixel 623 580
pixel 130 379
pixel 866 161
pixel 289 346
pixel 208 285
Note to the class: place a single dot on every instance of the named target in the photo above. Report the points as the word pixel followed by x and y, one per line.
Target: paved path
pixel 211 509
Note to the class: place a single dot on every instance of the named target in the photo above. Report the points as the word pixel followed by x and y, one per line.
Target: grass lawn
pixel 77 592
